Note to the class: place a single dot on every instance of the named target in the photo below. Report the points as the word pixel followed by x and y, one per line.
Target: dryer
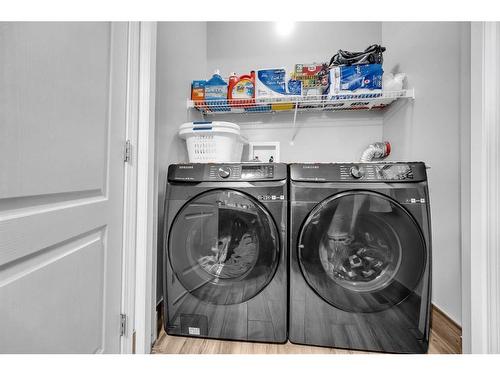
pixel 225 255
pixel 360 256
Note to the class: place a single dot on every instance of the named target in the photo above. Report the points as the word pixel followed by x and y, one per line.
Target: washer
pixel 360 256
pixel 226 251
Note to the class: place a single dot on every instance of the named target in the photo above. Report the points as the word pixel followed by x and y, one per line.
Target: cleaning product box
pixel 308 69
pixel 270 83
pixel 314 77
pixel 198 90
pixel 294 87
pixel 358 78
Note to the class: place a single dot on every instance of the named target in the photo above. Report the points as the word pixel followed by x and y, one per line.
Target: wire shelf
pixel 317 103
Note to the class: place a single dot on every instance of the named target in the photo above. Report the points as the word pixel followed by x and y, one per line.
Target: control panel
pixel 375 172
pixel 241 172
pixel 224 171
pixel 227 172
pixel 360 172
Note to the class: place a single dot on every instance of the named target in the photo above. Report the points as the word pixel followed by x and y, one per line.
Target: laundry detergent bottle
pixel 241 90
pixel 216 93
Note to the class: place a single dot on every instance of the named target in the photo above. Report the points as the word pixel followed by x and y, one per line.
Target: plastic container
pixel 216 93
pixel 241 90
pixel 212 142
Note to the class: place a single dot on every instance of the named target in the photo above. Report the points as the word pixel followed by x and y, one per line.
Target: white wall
pixel 181 55
pixel 429 130
pixel 245 46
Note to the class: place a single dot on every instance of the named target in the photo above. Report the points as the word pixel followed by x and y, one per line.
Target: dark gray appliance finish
pixel 226 251
pixel 360 256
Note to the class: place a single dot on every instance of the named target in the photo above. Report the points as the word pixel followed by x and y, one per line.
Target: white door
pixel 62 131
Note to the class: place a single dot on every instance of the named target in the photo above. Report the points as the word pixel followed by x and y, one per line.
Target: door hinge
pixel 123 324
pixel 128 152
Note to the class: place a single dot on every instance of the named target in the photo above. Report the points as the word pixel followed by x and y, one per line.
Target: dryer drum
pixel 235 246
pixel 224 247
pixel 361 251
pixel 369 261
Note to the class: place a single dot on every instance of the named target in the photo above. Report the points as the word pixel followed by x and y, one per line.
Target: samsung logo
pixel 310 166
pixel 186 167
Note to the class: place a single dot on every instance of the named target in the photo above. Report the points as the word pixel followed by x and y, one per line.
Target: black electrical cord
pixel 371 55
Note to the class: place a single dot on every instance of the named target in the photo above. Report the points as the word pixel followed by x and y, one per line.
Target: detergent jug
pixel 241 88
pixel 216 93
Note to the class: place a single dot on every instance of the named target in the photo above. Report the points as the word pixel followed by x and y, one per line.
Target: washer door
pixel 223 247
pixel 361 251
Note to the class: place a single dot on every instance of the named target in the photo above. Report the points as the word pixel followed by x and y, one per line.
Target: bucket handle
pixel 202 125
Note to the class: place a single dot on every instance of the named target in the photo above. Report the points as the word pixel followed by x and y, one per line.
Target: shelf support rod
pixel 294 123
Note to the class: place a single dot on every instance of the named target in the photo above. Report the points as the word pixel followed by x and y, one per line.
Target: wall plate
pixel 264 151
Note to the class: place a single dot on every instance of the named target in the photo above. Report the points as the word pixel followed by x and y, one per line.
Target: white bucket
pixel 212 141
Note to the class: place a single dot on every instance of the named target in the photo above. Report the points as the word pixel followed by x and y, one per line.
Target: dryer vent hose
pixel 377 150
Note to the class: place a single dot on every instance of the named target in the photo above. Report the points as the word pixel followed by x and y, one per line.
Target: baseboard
pixel 447 329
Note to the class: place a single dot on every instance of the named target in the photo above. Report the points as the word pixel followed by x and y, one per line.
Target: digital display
pixel 395 172
pixel 251 171
pixel 256 171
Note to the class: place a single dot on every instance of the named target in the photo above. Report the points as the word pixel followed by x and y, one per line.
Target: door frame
pixel 140 211
pixel 481 238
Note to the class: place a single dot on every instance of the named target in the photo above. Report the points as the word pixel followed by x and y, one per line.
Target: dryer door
pixel 223 247
pixel 361 251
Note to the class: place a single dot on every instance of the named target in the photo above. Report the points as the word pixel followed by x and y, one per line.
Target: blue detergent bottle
pixel 216 93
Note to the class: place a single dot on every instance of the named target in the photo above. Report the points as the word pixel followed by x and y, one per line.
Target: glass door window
pixel 223 247
pixel 361 251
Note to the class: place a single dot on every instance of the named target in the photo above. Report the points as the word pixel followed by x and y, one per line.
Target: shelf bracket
pixel 411 94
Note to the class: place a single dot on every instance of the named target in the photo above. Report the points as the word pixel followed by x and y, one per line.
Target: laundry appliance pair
pixel 333 255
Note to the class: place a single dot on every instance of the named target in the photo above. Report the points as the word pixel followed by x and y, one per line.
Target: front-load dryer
pixel 226 251
pixel 360 256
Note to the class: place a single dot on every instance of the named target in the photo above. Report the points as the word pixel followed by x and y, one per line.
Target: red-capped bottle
pixel 241 90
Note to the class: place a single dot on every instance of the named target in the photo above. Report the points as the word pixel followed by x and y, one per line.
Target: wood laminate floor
pixel 186 345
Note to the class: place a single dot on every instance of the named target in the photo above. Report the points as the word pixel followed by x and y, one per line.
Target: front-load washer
pixel 360 256
pixel 225 255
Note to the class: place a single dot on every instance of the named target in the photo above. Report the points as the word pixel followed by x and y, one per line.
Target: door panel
pixel 223 247
pixel 62 116
pixel 361 251
pixel 75 303
pixel 54 91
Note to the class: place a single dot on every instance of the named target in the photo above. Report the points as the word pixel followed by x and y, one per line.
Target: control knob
pixel 357 172
pixel 224 172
